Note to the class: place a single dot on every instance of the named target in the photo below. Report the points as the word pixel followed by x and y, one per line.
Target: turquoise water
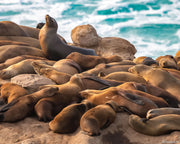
pixel 153 26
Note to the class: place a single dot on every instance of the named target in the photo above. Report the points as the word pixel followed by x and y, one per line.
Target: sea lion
pixel 88 61
pixel 167 61
pixel 135 103
pixel 68 93
pixel 9 42
pixel 162 111
pixel 68 120
pixel 23 106
pixel 28 40
pixel 11 91
pixel 174 72
pixel 149 61
pixel 22 67
pixel 107 69
pixel 159 78
pixel 8 28
pixel 153 90
pixel 139 59
pixel 51 73
pixel 98 118
pixel 10 51
pixel 159 125
pixel 32 32
pixel 67 66
pixel 17 59
pixel 40 25
pixel 52 46
pixel 125 76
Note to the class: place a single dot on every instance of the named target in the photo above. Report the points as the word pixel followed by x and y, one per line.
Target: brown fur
pixel 98 118
pixel 10 51
pixel 17 59
pixel 167 61
pixel 28 40
pixel 52 46
pixel 51 73
pixel 162 111
pixel 22 67
pixel 153 90
pixel 160 125
pixel 22 107
pixel 9 42
pixel 87 61
pixel 8 28
pixel 159 78
pixel 67 66
pixel 139 60
pixel 107 69
pixel 32 32
pixel 68 93
pixel 11 91
pixel 125 76
pixel 68 120
pixel 135 103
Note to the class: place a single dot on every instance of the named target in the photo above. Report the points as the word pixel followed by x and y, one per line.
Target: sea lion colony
pixel 90 89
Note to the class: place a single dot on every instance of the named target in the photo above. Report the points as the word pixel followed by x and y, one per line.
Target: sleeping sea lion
pixel 98 118
pixel 156 126
pixel 11 91
pixel 23 106
pixel 167 61
pixel 159 78
pixel 52 46
pixel 68 120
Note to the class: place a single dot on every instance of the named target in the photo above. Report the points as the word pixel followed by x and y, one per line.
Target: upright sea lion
pixel 10 51
pixel 8 28
pixel 68 120
pixel 98 118
pixel 28 40
pixel 68 93
pixel 162 111
pixel 159 78
pixel 167 61
pixel 88 61
pixel 23 106
pixel 11 91
pixel 22 67
pixel 125 76
pixel 52 46
pixel 159 125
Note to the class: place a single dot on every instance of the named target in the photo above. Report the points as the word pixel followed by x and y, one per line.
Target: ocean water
pixel 153 26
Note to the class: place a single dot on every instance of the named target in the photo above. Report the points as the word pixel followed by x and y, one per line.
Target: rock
pixel 86 36
pixel 31 82
pixel 32 131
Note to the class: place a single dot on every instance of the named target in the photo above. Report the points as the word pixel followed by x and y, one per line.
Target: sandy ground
pixel 32 131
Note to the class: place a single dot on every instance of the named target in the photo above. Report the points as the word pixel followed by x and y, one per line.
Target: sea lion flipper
pixel 106 124
pixel 4 108
pixel 2 101
pixel 131 97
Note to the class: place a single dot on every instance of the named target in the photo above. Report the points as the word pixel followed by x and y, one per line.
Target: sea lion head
pixel 137 69
pixel 168 61
pixel 51 22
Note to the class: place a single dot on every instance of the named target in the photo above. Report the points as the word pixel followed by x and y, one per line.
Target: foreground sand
pixel 32 131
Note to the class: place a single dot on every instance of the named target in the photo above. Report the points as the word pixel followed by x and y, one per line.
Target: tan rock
pixel 31 82
pixel 86 36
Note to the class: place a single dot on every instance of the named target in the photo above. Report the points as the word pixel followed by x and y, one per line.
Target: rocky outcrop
pixel 86 36
pixel 31 82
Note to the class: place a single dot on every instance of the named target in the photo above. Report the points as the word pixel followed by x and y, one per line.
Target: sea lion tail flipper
pixel 131 97
pixel 6 107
